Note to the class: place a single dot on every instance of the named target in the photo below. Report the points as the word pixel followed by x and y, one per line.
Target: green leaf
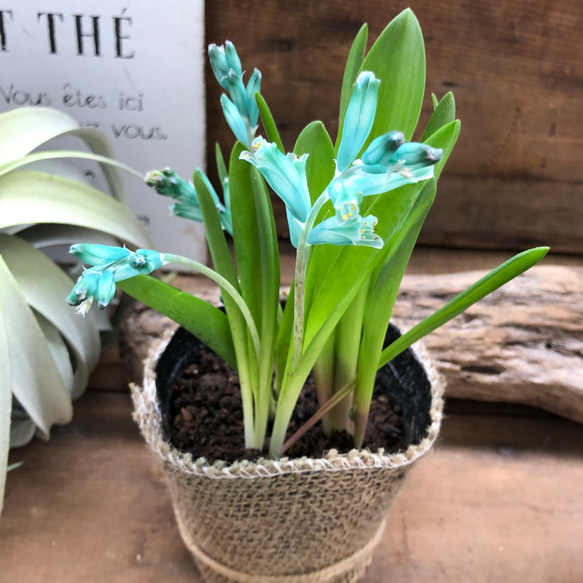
pixel 380 304
pixel 268 122
pixel 352 264
pixel 246 236
pixel 5 407
pixel 397 58
pixel 486 285
pixel 35 380
pixel 284 338
pixel 320 166
pixel 353 65
pixel 444 113
pixel 206 322
pixel 35 197
pixel 215 235
pixel 221 167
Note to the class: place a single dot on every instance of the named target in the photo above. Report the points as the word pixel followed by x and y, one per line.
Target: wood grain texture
pixel 522 344
pixel 499 499
pixel 515 177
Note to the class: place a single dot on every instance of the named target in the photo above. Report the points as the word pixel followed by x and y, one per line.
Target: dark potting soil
pixel 206 417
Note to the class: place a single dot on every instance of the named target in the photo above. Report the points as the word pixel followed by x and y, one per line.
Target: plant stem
pixel 329 406
pixel 302 258
pixel 223 283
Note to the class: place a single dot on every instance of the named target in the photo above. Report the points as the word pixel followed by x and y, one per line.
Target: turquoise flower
pixel 99 254
pixel 168 183
pixel 110 265
pixel 285 174
pixel 359 118
pixel 353 231
pixel 381 149
pixel 223 61
pixel 235 120
pixel 239 108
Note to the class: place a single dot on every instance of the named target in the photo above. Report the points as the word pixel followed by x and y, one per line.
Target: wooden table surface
pixel 500 499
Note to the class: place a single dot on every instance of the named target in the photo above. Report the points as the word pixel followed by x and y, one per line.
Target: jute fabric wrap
pixel 286 521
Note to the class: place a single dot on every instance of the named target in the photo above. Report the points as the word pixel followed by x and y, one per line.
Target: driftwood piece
pixel 522 344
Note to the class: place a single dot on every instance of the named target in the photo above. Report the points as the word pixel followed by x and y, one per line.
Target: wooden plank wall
pixel 516 176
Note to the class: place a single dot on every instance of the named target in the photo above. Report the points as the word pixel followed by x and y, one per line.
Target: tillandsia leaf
pixel 28 128
pixel 5 407
pixel 444 113
pixel 206 322
pixel 397 58
pixel 268 122
pixel 359 118
pixel 58 350
pixel 35 380
pixel 29 267
pixel 353 64
pixel 285 174
pixel 486 285
pixel 35 197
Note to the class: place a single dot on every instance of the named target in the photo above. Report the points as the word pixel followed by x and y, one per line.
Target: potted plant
pixel 47 353
pixel 354 208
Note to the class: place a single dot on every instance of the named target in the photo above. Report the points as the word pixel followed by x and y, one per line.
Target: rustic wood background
pixel 516 177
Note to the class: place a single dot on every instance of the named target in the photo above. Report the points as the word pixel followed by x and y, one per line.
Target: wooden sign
pixel 134 70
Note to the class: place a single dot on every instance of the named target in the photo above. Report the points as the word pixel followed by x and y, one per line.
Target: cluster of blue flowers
pixel 240 110
pixel 387 163
pixel 168 183
pixel 110 265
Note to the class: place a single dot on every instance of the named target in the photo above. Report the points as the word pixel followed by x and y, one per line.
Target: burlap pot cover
pixel 291 520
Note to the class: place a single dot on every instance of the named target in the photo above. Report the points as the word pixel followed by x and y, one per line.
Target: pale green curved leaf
pixel 35 197
pixel 67 154
pixel 22 427
pixel 5 408
pixel 51 235
pixel 44 287
pixel 58 350
pixel 27 128
pixel 35 380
